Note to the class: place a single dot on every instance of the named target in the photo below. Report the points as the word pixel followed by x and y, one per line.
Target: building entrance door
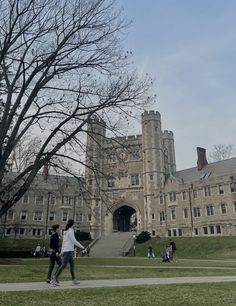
pixel 124 219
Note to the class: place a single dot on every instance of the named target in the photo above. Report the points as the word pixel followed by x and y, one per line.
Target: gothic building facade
pixel 131 183
pixel 135 185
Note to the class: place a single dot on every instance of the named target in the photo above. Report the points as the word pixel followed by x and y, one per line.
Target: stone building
pixel 50 200
pixel 131 183
pixel 134 185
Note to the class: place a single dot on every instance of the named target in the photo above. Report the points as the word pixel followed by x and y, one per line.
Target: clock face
pixel 122 155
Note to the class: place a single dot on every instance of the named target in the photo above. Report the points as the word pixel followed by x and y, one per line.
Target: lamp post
pixel 47 213
pixel 190 207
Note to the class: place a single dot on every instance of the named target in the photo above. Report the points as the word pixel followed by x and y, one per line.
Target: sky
pixel 189 48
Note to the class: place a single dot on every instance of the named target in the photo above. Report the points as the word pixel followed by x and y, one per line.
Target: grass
pixel 216 254
pixel 219 294
pixel 222 247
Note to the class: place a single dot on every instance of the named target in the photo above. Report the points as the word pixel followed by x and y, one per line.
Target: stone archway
pixel 124 219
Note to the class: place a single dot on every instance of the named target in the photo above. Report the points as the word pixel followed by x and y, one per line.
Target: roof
pixel 216 169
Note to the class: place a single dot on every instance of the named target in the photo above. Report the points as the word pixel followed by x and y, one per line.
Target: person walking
pixel 67 251
pixel 173 249
pixel 151 252
pixel 54 250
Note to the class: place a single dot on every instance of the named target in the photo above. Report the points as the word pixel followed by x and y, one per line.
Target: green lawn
pixel 219 294
pixel 216 254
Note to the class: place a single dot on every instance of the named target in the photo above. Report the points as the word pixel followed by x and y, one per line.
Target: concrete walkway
pixel 116 283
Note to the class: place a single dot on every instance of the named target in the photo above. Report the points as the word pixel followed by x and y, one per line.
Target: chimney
pixel 45 171
pixel 201 158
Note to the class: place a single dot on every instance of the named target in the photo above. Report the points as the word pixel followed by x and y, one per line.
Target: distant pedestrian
pixel 151 252
pixel 167 251
pixel 67 251
pixel 54 251
pixel 173 249
pixel 37 251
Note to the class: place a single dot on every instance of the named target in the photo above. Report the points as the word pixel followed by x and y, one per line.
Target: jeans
pixel 53 259
pixel 67 257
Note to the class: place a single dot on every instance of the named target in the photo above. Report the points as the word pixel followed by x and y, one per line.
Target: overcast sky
pixel 189 48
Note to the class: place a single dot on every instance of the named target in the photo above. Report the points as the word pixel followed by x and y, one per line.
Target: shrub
pixel 143 236
pixel 82 235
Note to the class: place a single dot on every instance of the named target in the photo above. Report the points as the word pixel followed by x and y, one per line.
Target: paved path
pixel 116 283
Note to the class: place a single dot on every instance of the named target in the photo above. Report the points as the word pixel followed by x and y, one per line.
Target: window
pixel 221 189
pixel 184 195
pixel 218 229
pixel 111 158
pixel 209 210
pixel 161 199
pixel 135 155
pixel 196 212
pixel 185 213
pixel 212 230
pixel 79 217
pixel 223 209
pixel 153 216
pixel 8 231
pixel 205 230
pixel 79 201
pixel 37 216
pixel 65 216
pixel 89 217
pixel 52 200
pixel 23 215
pixel 172 196
pixel 195 194
pixel 153 233
pixel 151 177
pixel 207 191
pixel 10 214
pixel 233 184
pixel 36 232
pixel 52 216
pixel 174 232
pixel 173 214
pixel 21 231
pixel 65 201
pixel 25 199
pixel 134 179
pixel 111 182
pixel 234 207
pixel 162 216
pixel 196 231
pixel 180 232
pixel 169 233
pixel 39 199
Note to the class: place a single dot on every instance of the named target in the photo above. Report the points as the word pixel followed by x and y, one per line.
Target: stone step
pixel 112 245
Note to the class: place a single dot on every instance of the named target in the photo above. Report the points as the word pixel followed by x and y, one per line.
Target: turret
pixel 169 152
pixel 96 131
pixel 153 161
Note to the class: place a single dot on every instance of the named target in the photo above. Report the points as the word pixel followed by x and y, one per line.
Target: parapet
pixel 151 115
pixel 168 134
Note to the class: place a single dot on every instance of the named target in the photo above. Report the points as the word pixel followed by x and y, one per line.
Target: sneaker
pixel 75 282
pixel 48 280
pixel 54 283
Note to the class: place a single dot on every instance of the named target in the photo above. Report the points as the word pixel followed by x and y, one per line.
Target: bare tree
pixel 61 63
pixel 221 152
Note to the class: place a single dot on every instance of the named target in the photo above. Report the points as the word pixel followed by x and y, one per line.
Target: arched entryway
pixel 124 219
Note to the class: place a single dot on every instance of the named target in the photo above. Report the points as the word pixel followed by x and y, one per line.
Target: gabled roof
pixel 220 168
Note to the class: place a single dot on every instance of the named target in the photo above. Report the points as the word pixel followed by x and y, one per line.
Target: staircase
pixel 117 244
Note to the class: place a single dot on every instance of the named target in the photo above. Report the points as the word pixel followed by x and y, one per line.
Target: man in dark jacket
pixel 54 250
pixel 173 249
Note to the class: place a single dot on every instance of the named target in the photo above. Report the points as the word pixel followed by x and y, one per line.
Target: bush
pixel 82 235
pixel 143 236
